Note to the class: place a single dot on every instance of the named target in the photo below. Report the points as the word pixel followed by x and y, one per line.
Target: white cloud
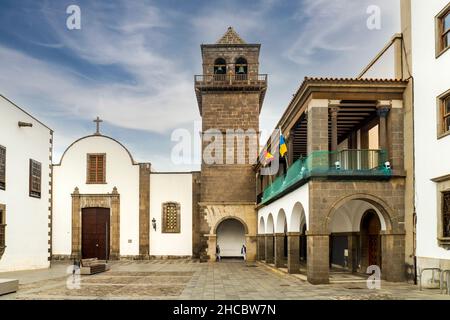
pixel 338 25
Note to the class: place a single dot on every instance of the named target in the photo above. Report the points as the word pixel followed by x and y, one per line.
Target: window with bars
pixel 35 178
pixel 446 214
pixel 443 30
pixel 2 168
pixel 171 217
pixel 96 168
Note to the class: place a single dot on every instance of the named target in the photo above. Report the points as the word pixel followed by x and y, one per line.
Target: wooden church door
pixel 95 233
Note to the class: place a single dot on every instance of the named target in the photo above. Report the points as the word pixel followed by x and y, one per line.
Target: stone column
pixel 334 108
pixel 144 210
pixel 279 250
pixel 383 108
pixel 318 266
pixel 317 125
pixel 317 134
pixel 293 252
pixel 115 225
pixel 261 247
pixel 352 252
pixel 290 152
pixel 269 248
pixel 393 257
pixel 76 224
pixel 211 251
pixel 251 244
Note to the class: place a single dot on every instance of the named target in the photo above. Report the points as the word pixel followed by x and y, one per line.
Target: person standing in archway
pixel 218 252
pixel 244 252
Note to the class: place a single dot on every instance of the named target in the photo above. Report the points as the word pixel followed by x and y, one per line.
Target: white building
pixel 430 30
pixel 108 206
pixel 25 192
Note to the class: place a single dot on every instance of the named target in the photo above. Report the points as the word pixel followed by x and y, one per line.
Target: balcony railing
pixel 227 79
pixel 349 163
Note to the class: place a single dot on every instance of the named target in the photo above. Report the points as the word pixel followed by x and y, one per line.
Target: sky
pixel 133 62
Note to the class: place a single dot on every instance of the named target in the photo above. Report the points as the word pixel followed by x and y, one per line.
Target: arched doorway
pixel 370 239
pixel 355 236
pixel 230 238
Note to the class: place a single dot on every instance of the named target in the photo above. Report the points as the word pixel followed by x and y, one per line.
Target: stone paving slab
pixel 186 279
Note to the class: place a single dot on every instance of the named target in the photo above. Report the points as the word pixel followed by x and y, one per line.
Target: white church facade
pixel 25 189
pixel 108 206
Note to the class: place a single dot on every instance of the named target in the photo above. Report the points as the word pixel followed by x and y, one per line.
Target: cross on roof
pixel 97 122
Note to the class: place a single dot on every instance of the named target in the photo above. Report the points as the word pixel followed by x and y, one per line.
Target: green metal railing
pixel 330 163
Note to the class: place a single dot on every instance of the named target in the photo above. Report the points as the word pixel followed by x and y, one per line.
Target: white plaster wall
pixel 120 173
pixel 286 203
pixel 166 187
pixel 432 156
pixel 26 217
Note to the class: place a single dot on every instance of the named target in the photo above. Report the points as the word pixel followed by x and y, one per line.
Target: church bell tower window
pixel 220 69
pixel 241 69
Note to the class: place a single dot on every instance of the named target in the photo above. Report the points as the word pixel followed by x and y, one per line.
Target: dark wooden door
pixel 95 233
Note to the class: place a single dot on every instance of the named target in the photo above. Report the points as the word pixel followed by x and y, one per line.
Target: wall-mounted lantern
pixel 154 223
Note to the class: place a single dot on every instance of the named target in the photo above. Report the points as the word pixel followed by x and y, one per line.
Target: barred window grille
pixel 171 217
pixel 35 178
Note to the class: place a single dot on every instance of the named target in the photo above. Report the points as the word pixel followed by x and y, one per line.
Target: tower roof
pixel 230 37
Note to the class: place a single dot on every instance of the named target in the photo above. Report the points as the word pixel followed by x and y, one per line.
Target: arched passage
pixel 355 228
pixel 262 226
pixel 230 234
pixel 281 241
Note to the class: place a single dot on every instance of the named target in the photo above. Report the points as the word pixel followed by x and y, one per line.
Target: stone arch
pixel 270 225
pixel 298 218
pixel 281 221
pixel 386 212
pixel 231 217
pixel 262 226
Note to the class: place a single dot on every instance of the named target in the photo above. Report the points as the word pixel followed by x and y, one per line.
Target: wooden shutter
pixel 35 178
pixel 2 168
pixel 96 168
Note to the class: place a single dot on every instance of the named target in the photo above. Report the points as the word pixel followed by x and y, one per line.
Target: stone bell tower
pixel 230 93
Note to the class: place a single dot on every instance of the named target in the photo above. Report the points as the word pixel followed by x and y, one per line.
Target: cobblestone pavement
pixel 186 279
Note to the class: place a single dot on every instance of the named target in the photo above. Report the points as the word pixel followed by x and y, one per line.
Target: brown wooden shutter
pixel 96 168
pixel 2 168
pixel 35 178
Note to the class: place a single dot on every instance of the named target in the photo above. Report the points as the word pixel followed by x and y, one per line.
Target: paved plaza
pixel 186 279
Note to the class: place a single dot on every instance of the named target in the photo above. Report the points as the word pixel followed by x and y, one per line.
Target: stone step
pixel 8 286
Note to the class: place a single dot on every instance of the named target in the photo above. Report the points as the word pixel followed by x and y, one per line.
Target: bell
pixel 219 69
pixel 241 69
